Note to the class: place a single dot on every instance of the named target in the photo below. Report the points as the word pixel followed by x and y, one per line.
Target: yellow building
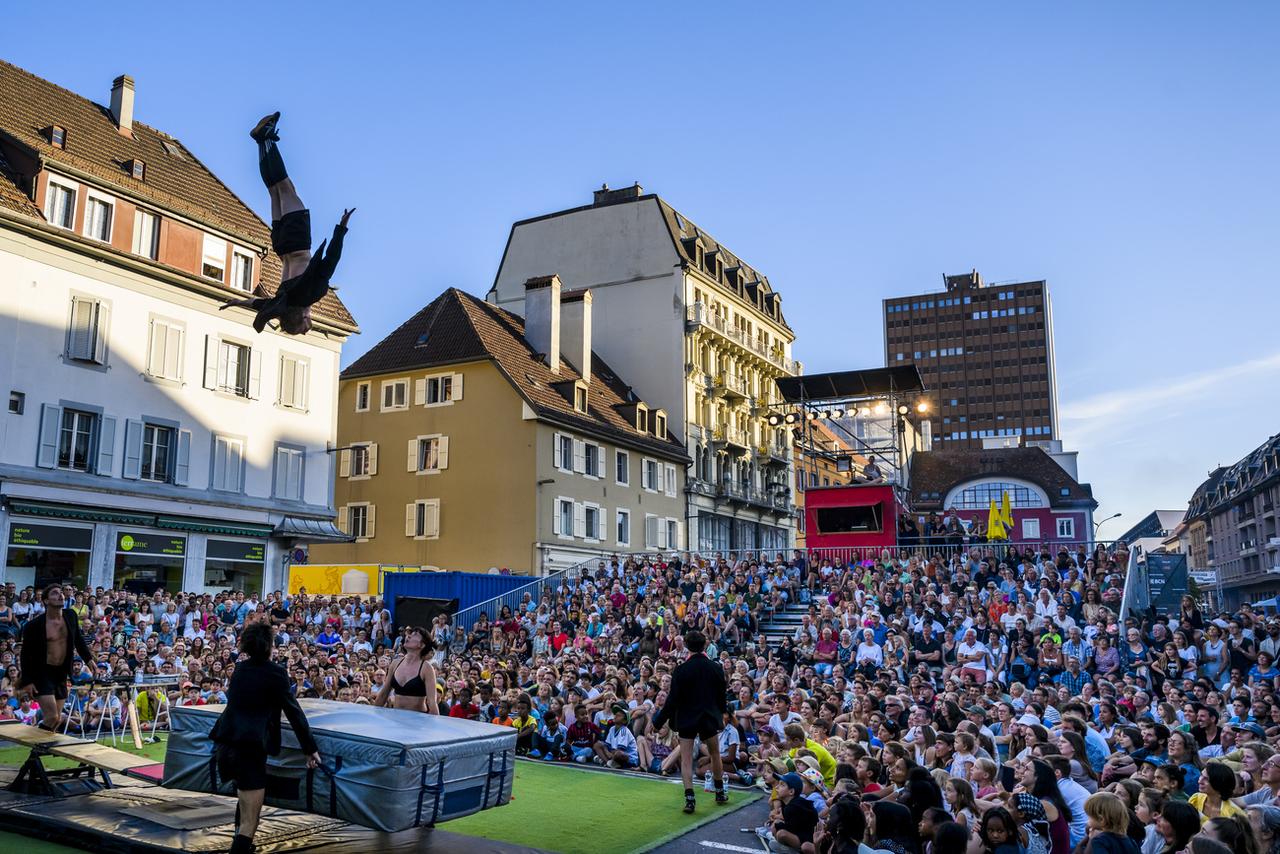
pixel 464 445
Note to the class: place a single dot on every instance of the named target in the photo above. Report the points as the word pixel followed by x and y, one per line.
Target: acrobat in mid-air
pixel 305 277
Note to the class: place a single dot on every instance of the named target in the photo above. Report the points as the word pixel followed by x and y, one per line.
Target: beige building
pixel 463 445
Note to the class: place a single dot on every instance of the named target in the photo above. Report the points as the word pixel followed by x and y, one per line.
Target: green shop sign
pixel 235 550
pixel 151 544
pixel 35 536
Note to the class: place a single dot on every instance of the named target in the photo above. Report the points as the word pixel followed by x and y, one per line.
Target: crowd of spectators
pixel 976 694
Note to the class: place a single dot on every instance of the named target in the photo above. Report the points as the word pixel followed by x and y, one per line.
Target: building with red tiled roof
pixel 153 440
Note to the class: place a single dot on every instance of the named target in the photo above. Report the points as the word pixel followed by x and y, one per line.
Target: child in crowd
pixel 582 735
pixel 552 739
pixel 1150 804
pixel 1108 823
pixel 503 716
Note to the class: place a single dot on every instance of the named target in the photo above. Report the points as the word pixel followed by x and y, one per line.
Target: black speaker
pixel 420 611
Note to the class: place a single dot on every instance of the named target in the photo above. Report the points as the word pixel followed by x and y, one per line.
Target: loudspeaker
pixel 421 611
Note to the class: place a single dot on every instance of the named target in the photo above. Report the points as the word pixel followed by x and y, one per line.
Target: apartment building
pixel 473 438
pixel 698 332
pixel 151 440
pixel 985 352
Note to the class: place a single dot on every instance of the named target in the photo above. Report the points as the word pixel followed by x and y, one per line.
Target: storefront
pixel 41 553
pixel 146 561
pixel 234 565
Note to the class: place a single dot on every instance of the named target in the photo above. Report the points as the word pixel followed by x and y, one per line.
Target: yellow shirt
pixel 1227 810
pixel 826 762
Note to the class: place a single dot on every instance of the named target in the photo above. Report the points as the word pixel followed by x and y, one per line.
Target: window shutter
pixel 650 531
pixel 579 519
pixel 373 458
pixel 657 470
pixel 156 361
pixel 370 513
pixel 579 456
pixel 420 391
pixel 442 452
pixel 457 387
pixel 431 519
pixel 302 385
pixel 662 533
pixel 344 463
pixel 182 463
pixel 344 519
pixel 411 519
pixel 280 477
pixel 555 516
pixel 413 455
pixel 558 452
pixel 255 373
pixel 106 446
pixel 671 480
pixel 210 361
pixel 100 327
pixel 80 336
pixel 602 520
pixel 132 449
pixel 173 352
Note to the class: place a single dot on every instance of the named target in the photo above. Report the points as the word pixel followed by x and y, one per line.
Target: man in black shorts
pixel 305 278
pixel 695 706
pixel 248 730
pixel 48 642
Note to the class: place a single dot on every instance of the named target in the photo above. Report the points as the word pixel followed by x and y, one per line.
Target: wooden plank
pixel 101 756
pixel 133 724
pixel 31 736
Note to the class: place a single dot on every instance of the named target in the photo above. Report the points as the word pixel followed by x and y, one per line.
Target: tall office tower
pixel 986 355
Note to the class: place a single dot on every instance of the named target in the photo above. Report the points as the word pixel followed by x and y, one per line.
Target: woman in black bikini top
pixel 417 694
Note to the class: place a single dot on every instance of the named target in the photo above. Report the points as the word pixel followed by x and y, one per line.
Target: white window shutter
pixel 156 359
pixel 344 463
pixel 255 374
pixel 173 352
pixel 132 449
pixel 373 458
pixel 413 455
pixel 210 361
pixel 442 452
pixel 370 513
pixel 457 387
pixel 558 452
pixel 420 391
pixel 579 519
pixel 100 327
pixel 411 519
pixel 555 516
pixel 344 519
pixel 106 446
pixel 80 339
pixel 302 387
pixel 579 456
pixel 657 470
pixel 280 473
pixel 602 519
pixel 431 519
pixel 182 465
pixel 50 424
pixel 662 533
pixel 650 531
pixel 670 480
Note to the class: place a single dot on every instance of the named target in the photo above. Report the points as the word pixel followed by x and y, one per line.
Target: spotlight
pixel 922 407
pixel 812 415
pixel 852 412
pixel 844 464
pixel 903 409
pixel 837 413
pixel 826 415
pixel 790 418
pixel 775 419
pixel 881 408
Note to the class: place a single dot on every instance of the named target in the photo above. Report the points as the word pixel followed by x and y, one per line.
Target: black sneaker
pixel 722 796
pixel 265 129
pixel 690 804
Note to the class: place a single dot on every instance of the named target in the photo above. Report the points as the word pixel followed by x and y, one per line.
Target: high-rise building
pixel 985 353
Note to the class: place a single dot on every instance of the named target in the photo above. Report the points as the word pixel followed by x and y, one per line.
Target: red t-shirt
pixel 469 711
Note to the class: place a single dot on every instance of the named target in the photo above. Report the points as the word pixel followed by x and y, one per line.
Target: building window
pixel 660 425
pixel 75 439
pixel 1066 529
pixel 97 218
pixel 422 519
pixel 979 496
pixel 287 479
pixel 361 460
pixel 440 390
pixel 58 136
pixel 17 402
pixel 395 395
pixel 87 335
pixel 228 464
pixel 592 460
pixel 213 263
pixel 669 481
pixel 563 518
pixel 146 235
pixel 60 205
pixel 580 398
pixel 622 468
pixel 563 452
pixel 1030 530
pixel 137 168
pixel 164 361
pixel 360 521
pixel 591 521
pixel 673 533
pixel 362 397
pixel 157 452
pixel 429 453
pixel 242 272
pixel 649 475
pixel 624 527
pixel 233 368
pixel 294 382
pixel 642 419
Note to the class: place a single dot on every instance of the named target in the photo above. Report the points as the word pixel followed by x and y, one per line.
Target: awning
pixel 311 530
pixel 209 526
pixel 842 385
pixel 78 511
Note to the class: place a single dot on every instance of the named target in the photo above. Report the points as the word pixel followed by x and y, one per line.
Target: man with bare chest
pixel 47 645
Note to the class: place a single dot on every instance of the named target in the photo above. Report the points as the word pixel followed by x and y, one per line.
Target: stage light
pixel 881 408
pixel 852 412
pixel 826 415
pixel 922 407
pixel 812 415
pixel 837 413
pixel 790 418
pixel 775 419
pixel 844 464
pixel 903 409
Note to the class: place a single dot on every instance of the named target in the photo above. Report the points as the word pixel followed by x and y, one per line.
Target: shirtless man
pixel 47 645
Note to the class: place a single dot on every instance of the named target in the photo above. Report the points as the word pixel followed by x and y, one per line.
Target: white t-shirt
pixel 870 652
pixel 777 724
pixel 977 647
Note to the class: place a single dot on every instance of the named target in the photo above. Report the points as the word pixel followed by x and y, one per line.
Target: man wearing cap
pixel 695 707
pixel 799 817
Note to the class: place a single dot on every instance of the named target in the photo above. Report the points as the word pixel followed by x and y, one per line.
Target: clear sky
pixel 1125 152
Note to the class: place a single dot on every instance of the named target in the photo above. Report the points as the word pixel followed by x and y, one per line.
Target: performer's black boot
pixel 270 164
pixel 690 801
pixel 241 845
pixel 266 128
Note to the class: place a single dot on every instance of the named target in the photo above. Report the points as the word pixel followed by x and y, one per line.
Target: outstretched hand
pixel 346 215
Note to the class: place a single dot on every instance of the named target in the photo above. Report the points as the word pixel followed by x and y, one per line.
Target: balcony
pixel 731 438
pixel 699 315
pixel 747 495
pixel 1273 543
pixel 773 454
pixel 700 487
pixel 730 387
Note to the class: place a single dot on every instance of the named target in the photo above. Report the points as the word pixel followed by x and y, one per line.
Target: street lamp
pixel 1097 525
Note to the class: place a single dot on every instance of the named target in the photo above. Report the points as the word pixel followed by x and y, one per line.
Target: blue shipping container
pixel 469 588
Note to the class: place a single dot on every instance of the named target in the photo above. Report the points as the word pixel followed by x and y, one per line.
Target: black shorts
pixel 292 232
pixel 705 731
pixel 50 680
pixel 244 765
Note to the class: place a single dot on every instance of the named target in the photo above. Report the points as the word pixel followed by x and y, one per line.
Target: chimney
pixel 542 317
pixel 575 319
pixel 605 196
pixel 122 103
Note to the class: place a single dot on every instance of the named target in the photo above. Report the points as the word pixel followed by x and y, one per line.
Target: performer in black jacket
pixel 305 277
pixel 249 728
pixel 47 644
pixel 695 706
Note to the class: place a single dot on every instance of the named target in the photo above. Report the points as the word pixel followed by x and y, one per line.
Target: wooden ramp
pixel 92 760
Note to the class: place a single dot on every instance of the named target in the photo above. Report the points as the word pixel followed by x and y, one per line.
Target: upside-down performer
pixel 248 730
pixel 305 277
pixel 47 645
pixel 695 708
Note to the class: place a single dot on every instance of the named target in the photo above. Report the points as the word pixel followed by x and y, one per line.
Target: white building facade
pixel 697 332
pixel 151 441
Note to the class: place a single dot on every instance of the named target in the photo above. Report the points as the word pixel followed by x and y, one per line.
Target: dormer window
pixel 137 169
pixel 696 252
pixel 660 424
pixel 57 136
pixel 580 398
pixel 642 418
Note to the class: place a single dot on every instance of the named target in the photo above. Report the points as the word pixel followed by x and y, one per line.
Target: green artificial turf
pixel 27 845
pixel 566 809
pixel 14 756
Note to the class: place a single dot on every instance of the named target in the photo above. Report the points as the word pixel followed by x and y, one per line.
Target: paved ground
pixel 723 834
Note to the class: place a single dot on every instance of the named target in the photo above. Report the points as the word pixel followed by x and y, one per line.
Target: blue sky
pixel 1124 152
